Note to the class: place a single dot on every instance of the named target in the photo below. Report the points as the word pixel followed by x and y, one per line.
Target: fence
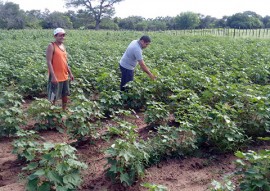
pixel 256 33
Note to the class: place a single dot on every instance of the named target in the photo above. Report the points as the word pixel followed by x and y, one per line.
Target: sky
pixel 156 8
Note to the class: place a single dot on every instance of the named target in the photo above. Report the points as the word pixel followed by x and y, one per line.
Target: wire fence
pixel 256 33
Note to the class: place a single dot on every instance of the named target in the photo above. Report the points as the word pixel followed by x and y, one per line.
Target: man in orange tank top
pixel 59 71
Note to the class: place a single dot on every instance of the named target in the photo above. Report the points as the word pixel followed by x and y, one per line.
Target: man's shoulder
pixel 51 44
pixel 134 45
pixel 134 42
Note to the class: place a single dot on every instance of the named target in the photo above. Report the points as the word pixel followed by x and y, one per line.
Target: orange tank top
pixel 59 64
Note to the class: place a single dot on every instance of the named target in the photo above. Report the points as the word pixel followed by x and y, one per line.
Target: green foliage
pixel 33 78
pixel 107 79
pixel 51 166
pixel 26 145
pixel 221 132
pixel 215 91
pixel 154 187
pixel 108 24
pixel 226 186
pixel 126 161
pixel 254 170
pixel 12 116
pixel 56 19
pixel 171 142
pixel 55 167
pixel 253 112
pixel 97 10
pixel 11 17
pixel 125 130
pixel 136 96
pixel 156 113
pixel 81 85
pixel 245 20
pixel 187 20
pixel 213 126
pixel 186 106
pixel 10 99
pixel 76 119
pixel 110 101
pixel 80 117
pixel 46 115
pixel 126 158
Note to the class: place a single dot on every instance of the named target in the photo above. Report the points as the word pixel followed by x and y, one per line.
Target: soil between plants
pixel 188 174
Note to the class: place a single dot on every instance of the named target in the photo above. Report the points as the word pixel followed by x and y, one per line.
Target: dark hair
pixel 145 38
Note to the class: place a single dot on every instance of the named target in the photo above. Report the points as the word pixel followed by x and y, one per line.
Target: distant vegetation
pixel 12 17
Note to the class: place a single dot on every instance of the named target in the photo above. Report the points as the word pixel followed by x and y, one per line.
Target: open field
pixel 210 99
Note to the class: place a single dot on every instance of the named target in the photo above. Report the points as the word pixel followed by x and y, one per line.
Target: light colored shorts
pixel 58 90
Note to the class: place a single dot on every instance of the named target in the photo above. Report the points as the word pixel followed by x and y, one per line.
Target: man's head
pixel 58 31
pixel 145 41
pixel 59 34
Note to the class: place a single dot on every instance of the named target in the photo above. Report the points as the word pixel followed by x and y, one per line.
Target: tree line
pixel 100 16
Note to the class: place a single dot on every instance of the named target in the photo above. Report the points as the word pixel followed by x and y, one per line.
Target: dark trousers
pixel 127 76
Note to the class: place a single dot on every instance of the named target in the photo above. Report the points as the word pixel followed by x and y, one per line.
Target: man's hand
pixel 146 70
pixel 152 77
pixel 71 77
pixel 54 80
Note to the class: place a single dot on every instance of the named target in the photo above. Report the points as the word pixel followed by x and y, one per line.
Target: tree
pixel 130 23
pixel 246 20
pixel 11 17
pixel 82 19
pixel 266 21
pixel 207 22
pixel 169 21
pixel 187 20
pixel 98 8
pixel 156 24
pixel 141 26
pixel 33 19
pixel 57 19
pixel 108 24
pixel 221 23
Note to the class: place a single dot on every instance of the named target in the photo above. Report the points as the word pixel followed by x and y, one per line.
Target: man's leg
pixel 65 94
pixel 51 91
pixel 127 76
pixel 64 102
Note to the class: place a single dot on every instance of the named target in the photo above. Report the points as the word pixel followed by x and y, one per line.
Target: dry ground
pixel 188 174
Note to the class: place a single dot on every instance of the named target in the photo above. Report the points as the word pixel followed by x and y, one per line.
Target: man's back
pixel 132 55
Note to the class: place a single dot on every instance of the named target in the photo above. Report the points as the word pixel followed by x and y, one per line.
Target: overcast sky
pixel 155 8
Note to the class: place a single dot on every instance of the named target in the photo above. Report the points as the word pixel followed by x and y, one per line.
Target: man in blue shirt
pixel 131 57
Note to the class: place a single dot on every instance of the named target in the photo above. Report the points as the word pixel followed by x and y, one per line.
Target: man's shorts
pixel 58 90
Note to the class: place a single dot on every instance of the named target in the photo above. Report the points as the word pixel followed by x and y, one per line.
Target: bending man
pixel 131 57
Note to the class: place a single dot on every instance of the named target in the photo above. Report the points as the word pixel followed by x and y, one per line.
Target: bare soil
pixel 188 174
